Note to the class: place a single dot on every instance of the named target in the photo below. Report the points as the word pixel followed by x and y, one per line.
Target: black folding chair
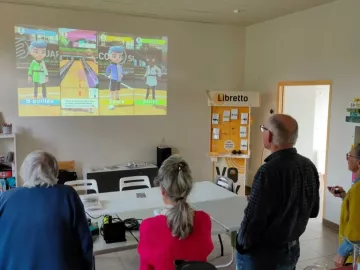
pixel 193 265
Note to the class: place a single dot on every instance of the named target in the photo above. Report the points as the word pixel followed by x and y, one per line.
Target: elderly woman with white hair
pixel 43 225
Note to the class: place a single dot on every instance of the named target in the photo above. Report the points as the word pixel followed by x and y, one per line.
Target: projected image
pixel 72 72
pixel 132 74
pixel 116 92
pixel 78 72
pixel 37 63
pixel 151 73
pixel 75 38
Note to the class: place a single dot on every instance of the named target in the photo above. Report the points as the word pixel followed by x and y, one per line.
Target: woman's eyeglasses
pixel 263 128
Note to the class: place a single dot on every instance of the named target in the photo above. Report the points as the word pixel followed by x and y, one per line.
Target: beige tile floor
pixel 318 245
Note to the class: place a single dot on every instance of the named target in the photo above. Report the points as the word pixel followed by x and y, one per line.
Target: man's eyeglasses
pixel 263 128
pixel 351 156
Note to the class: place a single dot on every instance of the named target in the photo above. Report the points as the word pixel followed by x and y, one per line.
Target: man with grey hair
pixel 43 224
pixel 285 194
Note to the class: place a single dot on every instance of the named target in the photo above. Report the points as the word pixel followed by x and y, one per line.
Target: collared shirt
pixel 357 179
pixel 284 195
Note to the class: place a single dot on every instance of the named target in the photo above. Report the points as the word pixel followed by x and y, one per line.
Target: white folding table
pixel 216 228
pixel 127 201
pixel 208 191
pixel 100 247
pixel 227 212
pixel 225 208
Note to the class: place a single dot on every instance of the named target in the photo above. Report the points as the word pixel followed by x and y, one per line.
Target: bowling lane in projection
pixel 79 84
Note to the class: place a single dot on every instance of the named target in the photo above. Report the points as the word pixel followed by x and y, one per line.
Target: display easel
pixel 230 132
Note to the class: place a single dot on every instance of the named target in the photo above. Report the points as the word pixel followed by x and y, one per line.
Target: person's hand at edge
pixel 341 193
pixel 339 260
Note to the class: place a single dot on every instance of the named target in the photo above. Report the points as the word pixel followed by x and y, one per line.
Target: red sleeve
pixel 145 248
pixel 208 243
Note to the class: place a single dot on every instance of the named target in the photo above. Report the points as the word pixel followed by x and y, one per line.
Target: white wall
pixel 322 95
pixel 309 106
pixel 299 102
pixel 201 57
pixel 317 44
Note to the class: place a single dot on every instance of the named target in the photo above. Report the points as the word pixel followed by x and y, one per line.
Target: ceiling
pixel 209 11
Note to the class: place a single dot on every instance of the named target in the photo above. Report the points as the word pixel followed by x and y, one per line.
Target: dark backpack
pixel 65 176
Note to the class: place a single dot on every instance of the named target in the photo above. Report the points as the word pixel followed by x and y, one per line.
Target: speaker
pixel 114 232
pixel 162 155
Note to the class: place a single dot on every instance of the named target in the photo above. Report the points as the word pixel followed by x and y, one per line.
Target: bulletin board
pixel 230 133
pixel 229 142
pixel 233 130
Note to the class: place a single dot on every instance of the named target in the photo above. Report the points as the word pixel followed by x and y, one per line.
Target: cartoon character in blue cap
pixel 38 73
pixel 115 72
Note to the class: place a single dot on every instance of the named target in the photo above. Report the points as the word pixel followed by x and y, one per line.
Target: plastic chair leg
pixel 221 245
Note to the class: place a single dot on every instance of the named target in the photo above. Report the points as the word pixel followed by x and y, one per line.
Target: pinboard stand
pixel 230 132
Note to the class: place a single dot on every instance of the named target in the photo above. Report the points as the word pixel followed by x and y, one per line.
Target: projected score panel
pixel 73 72
pixel 151 72
pixel 37 66
pixel 115 74
pixel 78 72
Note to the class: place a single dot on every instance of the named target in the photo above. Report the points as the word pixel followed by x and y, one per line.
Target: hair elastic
pixel 179 199
pixel 181 165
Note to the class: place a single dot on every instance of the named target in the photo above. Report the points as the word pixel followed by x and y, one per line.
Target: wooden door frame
pixel 280 106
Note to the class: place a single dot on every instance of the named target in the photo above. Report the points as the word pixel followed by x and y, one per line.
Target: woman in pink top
pixel 178 232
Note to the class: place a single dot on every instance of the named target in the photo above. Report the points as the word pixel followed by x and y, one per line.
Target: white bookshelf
pixel 8 144
pixel 7 136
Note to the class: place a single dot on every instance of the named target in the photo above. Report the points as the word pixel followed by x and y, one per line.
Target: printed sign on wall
pixel 354 111
pixel 233 98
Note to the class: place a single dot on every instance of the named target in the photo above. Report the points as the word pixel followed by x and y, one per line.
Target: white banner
pixel 233 98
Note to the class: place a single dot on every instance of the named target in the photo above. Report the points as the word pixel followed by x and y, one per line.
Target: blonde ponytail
pixel 175 179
